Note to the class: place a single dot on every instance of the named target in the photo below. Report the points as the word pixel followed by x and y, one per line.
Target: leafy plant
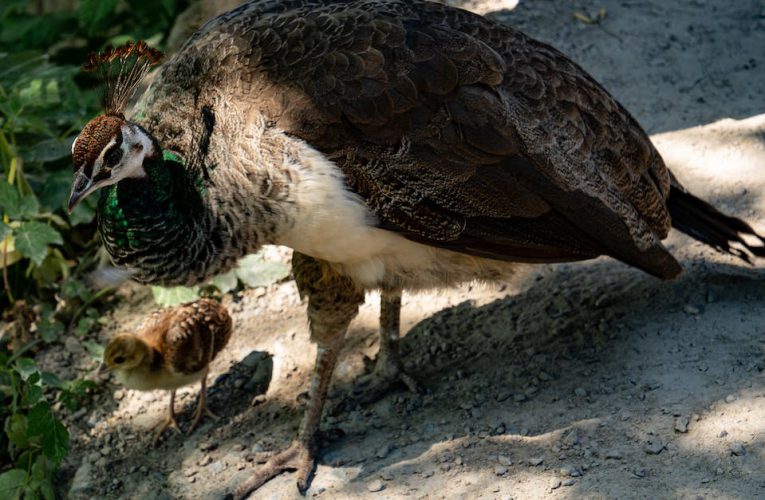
pixel 252 271
pixel 33 439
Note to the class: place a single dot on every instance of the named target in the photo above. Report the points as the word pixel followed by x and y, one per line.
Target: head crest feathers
pixel 121 69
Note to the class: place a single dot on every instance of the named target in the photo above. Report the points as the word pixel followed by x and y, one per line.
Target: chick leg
pixel 202 408
pixel 169 421
pixel 333 301
pixel 388 369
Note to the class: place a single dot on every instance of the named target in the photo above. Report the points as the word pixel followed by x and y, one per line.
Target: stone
pixel 375 486
pixel 82 479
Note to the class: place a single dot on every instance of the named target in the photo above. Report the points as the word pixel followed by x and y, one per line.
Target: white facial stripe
pixel 100 160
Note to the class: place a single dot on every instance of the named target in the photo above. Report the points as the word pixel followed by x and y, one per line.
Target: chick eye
pixel 113 157
pixel 119 360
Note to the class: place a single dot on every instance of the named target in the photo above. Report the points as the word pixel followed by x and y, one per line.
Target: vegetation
pixel 45 252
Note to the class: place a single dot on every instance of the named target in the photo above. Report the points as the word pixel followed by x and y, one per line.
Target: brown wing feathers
pixel 189 336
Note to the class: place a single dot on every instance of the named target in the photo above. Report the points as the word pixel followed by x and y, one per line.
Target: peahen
pixel 393 144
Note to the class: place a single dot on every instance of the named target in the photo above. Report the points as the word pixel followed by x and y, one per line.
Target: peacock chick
pixel 174 349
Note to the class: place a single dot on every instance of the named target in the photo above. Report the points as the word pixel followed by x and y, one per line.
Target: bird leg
pixel 388 369
pixel 333 301
pixel 168 422
pixel 301 455
pixel 201 406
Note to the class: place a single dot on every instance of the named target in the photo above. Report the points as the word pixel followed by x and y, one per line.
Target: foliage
pixel 44 251
pixel 33 439
pixel 252 271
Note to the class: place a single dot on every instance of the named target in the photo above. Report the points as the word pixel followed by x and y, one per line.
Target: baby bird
pixel 174 349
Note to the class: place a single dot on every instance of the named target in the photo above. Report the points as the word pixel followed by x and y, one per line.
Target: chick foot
pixel 168 422
pixel 202 409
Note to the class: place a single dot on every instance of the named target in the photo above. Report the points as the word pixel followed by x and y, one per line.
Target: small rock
pixel 383 452
pixel 500 470
pixel 375 486
pixel 681 424
pixel 614 453
pixel 535 461
pixel 569 470
pixel 580 392
pixel 207 445
pixel 730 398
pixel 737 449
pixel 520 397
pixel 386 475
pixel 568 482
pixel 82 478
pixel 654 447
pixel 555 484
pixel 190 472
pixel 119 394
pixel 504 460
pixel 723 433
pixel 503 395
pixel 692 310
pixel 458 461
pixel 206 460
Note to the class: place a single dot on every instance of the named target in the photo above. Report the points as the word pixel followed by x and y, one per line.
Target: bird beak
pixel 102 369
pixel 82 185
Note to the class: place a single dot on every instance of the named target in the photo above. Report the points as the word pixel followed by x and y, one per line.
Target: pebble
pixel 580 391
pixel 375 486
pixel 568 482
pixel 458 461
pixel 681 424
pixel 737 449
pixel 520 397
pixel 503 396
pixel 555 484
pixel 504 460
pixel 82 478
pixel 654 447
pixel 500 470
pixel 383 452
pixel 723 433
pixel 386 475
pixel 692 310
pixel 535 461
pixel 615 454
pixel 206 460
pixel 730 398
pixel 207 445
pixel 569 470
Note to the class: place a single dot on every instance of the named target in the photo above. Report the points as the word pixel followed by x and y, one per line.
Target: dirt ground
pixel 581 380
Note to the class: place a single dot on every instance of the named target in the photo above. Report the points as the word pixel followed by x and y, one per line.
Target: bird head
pixel 125 352
pixel 108 150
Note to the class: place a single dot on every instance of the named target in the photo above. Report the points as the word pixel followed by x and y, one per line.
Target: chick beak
pixel 102 369
pixel 81 187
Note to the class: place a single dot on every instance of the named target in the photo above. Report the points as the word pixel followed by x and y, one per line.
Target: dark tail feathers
pixel 700 220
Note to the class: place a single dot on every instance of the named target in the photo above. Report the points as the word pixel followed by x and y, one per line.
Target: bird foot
pixel 202 410
pixel 297 457
pixel 386 373
pixel 163 426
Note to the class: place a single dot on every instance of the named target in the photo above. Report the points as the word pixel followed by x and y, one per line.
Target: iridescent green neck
pixel 145 222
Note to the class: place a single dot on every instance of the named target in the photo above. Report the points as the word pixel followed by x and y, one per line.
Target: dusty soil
pixel 585 380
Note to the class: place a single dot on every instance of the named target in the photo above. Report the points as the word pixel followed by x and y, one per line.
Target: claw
pixel 297 457
pixel 162 427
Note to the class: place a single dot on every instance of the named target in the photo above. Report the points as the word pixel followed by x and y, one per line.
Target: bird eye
pixel 113 157
pixel 119 360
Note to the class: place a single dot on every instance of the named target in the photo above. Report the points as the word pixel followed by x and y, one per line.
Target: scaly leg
pixel 388 369
pixel 333 301
pixel 301 455
pixel 169 421
pixel 201 406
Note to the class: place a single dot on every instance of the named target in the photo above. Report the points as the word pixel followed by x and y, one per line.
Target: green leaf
pixel 174 295
pixel 95 349
pixel 9 199
pixel 16 430
pixel 254 271
pixel 4 230
pixel 50 379
pixel 94 12
pixel 26 367
pixel 225 282
pixel 55 438
pixel 12 483
pixel 32 240
pixel 50 330
pixel 48 150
